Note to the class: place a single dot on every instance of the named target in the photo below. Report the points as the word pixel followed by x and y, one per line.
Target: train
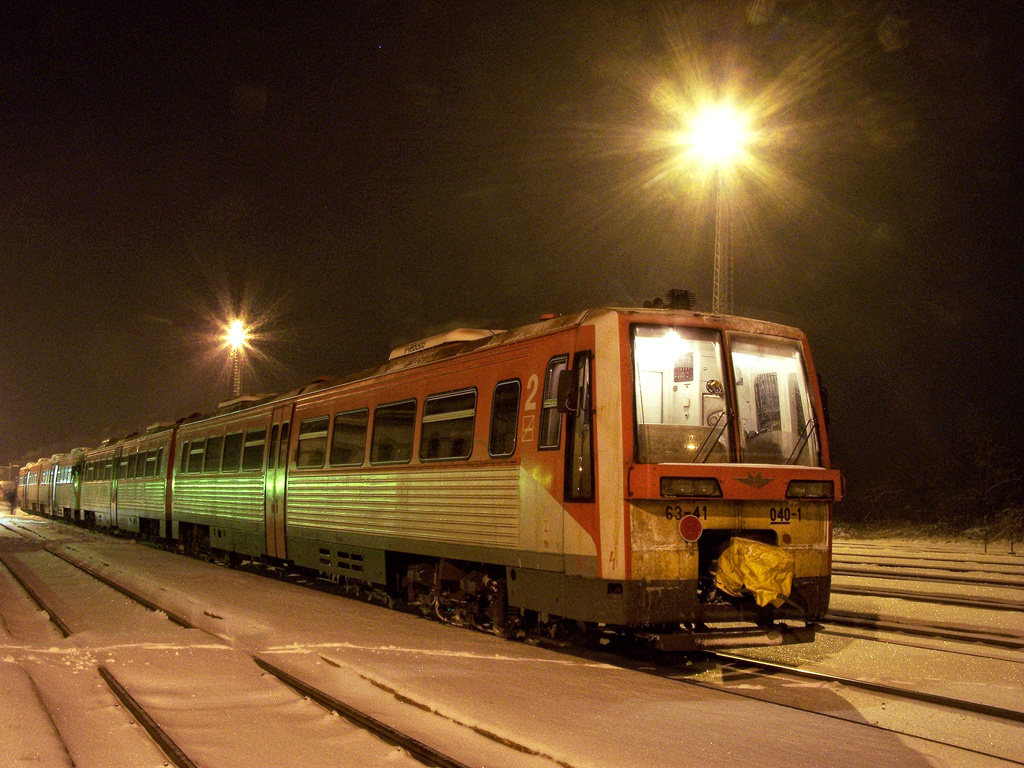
pixel 595 470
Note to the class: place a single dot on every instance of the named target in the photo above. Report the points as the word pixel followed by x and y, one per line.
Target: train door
pixel 575 399
pixel 116 473
pixel 276 482
pixel 53 491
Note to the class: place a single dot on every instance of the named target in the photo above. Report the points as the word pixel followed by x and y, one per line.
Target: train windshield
pixel 681 412
pixel 684 414
pixel 776 415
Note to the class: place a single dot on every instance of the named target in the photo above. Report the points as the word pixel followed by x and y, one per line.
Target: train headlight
pixel 707 487
pixel 811 489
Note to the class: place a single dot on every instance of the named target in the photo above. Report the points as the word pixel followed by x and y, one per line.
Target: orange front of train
pixel 697 482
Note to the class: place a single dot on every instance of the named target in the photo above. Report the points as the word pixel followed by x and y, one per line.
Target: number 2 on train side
pixel 532 386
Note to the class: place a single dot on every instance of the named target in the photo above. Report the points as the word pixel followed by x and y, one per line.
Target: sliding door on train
pixel 276 482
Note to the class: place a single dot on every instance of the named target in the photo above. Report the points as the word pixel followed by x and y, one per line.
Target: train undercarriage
pixel 476 595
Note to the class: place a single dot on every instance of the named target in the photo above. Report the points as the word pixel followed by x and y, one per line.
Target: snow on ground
pixel 555 706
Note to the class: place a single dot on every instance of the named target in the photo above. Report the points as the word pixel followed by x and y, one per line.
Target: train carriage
pixel 614 467
pixel 38 487
pixel 97 485
pixel 47 475
pixel 140 482
pixel 219 476
pixel 592 467
pixel 24 481
pixel 423 459
pixel 67 483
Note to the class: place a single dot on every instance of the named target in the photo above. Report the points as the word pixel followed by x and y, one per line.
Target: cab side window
pixel 550 416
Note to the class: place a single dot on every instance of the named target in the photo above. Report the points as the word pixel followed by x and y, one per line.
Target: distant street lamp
pixel 237 337
pixel 717 138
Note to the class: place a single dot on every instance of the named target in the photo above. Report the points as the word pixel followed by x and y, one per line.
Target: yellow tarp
pixel 762 569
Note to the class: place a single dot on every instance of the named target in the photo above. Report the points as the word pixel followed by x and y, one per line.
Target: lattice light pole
pixel 718 137
pixel 237 337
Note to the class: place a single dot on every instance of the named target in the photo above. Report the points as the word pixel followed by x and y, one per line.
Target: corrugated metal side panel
pixel 96 496
pixel 223 498
pixel 466 505
pixel 142 497
pixel 65 495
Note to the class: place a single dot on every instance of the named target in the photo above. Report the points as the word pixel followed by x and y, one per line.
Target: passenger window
pixel 282 460
pixel 348 445
pixel 133 462
pixel 448 422
pixel 213 450
pixel 183 467
pixel 153 461
pixel 550 416
pixel 393 427
pixel 232 453
pixel 274 446
pixel 504 419
pixel 252 452
pixel 195 456
pixel 312 449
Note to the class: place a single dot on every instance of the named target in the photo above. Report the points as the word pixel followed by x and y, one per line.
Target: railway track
pixel 961 568
pixel 963 601
pixel 909 594
pixel 159 736
pixel 933 630
pixel 944 721
pixel 895 692
pixel 808 692
pixel 1002 724
pixel 492 750
pixel 390 736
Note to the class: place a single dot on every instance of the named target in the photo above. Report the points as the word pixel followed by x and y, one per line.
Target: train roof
pixel 465 340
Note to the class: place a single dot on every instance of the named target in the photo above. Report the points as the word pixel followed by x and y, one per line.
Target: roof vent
pixel 238 402
pixel 676 299
pixel 457 336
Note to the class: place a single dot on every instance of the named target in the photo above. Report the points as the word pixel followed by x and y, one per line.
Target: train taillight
pixel 811 489
pixel 702 487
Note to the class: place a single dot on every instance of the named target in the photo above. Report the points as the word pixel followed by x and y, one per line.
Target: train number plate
pixel 784 515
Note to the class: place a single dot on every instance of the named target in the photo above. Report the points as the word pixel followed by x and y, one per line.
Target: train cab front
pixel 728 494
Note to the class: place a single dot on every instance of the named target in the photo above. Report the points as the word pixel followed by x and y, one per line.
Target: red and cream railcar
pixel 591 467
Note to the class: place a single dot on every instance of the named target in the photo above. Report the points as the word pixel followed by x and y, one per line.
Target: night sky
pixel 359 175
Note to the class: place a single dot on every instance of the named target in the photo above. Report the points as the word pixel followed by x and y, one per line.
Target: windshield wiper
pixel 716 433
pixel 808 430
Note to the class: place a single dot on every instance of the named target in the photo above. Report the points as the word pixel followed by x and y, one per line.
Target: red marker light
pixel 690 528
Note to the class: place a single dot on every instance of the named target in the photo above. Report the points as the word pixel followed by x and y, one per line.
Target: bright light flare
pixel 718 135
pixel 237 335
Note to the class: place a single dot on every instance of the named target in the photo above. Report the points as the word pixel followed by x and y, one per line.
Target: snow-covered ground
pixel 457 689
